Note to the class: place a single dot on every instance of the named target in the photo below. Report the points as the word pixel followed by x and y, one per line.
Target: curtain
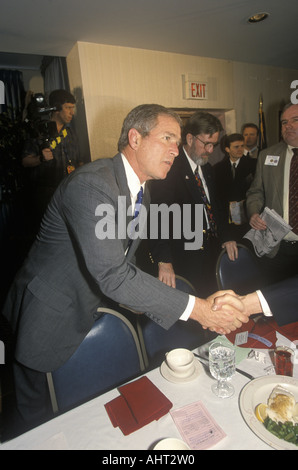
pixel 14 93
pixel 54 71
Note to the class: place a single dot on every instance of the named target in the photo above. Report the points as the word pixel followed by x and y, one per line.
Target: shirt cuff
pixel 264 304
pixel 189 308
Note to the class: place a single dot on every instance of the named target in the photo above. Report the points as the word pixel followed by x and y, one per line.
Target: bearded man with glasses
pixel 190 182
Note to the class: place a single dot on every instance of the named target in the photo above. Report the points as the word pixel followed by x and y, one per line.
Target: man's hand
pixel 47 154
pixel 166 274
pixel 223 317
pixel 250 303
pixel 257 223
pixel 232 250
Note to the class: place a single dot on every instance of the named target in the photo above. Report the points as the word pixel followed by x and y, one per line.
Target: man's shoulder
pixel 273 150
pixel 101 171
pixel 223 163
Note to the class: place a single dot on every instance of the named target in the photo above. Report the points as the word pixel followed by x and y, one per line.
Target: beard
pixel 199 160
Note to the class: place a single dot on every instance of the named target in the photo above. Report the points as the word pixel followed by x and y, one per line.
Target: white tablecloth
pixel 89 427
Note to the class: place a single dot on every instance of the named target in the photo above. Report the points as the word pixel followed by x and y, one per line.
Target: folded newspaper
pixel 265 240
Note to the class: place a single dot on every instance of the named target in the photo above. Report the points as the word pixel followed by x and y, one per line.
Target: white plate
pixel 168 374
pixel 258 391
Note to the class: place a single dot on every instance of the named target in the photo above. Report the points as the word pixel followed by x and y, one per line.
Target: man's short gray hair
pixel 143 118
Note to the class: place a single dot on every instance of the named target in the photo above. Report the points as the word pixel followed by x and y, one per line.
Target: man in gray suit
pixel 270 188
pixel 73 267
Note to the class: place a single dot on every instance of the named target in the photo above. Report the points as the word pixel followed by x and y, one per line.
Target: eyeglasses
pixel 211 145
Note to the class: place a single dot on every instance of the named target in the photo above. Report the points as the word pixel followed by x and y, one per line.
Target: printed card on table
pixel 197 427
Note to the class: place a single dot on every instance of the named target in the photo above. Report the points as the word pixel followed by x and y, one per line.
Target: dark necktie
pixel 293 193
pixel 233 167
pixel 207 205
pixel 136 213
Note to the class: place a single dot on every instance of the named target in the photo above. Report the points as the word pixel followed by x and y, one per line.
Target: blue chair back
pixel 184 285
pixel 242 275
pixel 156 341
pixel 109 356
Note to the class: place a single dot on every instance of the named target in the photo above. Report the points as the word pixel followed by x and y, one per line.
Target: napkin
pixel 139 403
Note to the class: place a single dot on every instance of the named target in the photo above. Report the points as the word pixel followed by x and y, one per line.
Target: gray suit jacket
pixel 267 188
pixel 69 271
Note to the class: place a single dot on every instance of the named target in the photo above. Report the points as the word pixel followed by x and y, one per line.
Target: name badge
pixel 272 160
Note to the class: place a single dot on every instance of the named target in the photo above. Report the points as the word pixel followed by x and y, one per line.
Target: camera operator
pixel 52 153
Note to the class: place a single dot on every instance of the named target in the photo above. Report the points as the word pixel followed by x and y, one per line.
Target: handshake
pixel 225 311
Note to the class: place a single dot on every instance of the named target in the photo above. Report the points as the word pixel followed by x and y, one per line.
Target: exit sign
pixel 195 88
pixel 198 91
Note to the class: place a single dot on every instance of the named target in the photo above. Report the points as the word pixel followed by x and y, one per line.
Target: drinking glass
pixel 283 361
pixel 222 367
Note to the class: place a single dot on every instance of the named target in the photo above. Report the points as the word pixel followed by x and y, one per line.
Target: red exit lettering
pixel 198 90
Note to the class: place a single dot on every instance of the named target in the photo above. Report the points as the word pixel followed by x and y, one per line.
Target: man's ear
pixel 134 138
pixel 189 139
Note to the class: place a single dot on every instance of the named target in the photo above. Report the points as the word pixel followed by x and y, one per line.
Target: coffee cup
pixel 171 444
pixel 181 362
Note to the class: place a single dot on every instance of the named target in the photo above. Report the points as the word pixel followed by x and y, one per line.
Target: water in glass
pixel 222 368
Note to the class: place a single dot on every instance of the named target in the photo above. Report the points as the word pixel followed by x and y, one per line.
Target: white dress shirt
pixel 134 186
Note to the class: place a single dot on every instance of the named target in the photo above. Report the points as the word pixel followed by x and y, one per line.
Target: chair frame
pixel 139 326
pixel 186 282
pixel 222 253
pixel 110 311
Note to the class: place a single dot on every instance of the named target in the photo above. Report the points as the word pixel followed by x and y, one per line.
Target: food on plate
pixel 281 405
pixel 280 414
pixel 261 412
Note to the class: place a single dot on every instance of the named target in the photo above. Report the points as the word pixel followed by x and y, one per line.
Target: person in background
pixel 233 176
pixel 48 159
pixel 190 182
pixel 74 267
pixel 275 186
pixel 250 133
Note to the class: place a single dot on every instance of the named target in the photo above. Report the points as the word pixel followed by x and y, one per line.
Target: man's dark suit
pixel 282 299
pixel 180 187
pixel 69 271
pixel 231 189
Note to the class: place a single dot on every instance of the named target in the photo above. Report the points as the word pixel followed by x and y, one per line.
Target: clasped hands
pixel 222 312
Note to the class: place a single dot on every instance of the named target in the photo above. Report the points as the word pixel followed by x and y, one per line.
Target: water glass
pixel 222 368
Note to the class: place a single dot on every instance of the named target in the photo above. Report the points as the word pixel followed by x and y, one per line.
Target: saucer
pixel 171 377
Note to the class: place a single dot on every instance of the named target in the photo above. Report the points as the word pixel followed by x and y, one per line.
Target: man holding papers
pixel 275 187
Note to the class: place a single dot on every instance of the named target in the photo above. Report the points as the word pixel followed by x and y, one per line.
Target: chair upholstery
pixel 156 341
pixel 242 275
pixel 184 285
pixel 109 356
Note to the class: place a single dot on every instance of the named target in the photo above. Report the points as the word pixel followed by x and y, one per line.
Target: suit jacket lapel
pixel 275 179
pixel 189 178
pixel 124 191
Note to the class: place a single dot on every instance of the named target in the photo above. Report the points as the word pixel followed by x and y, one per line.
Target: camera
pixel 39 125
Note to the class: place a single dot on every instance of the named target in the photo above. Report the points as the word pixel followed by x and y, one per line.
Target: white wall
pixel 114 79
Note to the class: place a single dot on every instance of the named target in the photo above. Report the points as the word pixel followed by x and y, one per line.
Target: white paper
pixel 197 427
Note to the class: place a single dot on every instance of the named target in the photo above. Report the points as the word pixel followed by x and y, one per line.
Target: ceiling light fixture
pixel 258 17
